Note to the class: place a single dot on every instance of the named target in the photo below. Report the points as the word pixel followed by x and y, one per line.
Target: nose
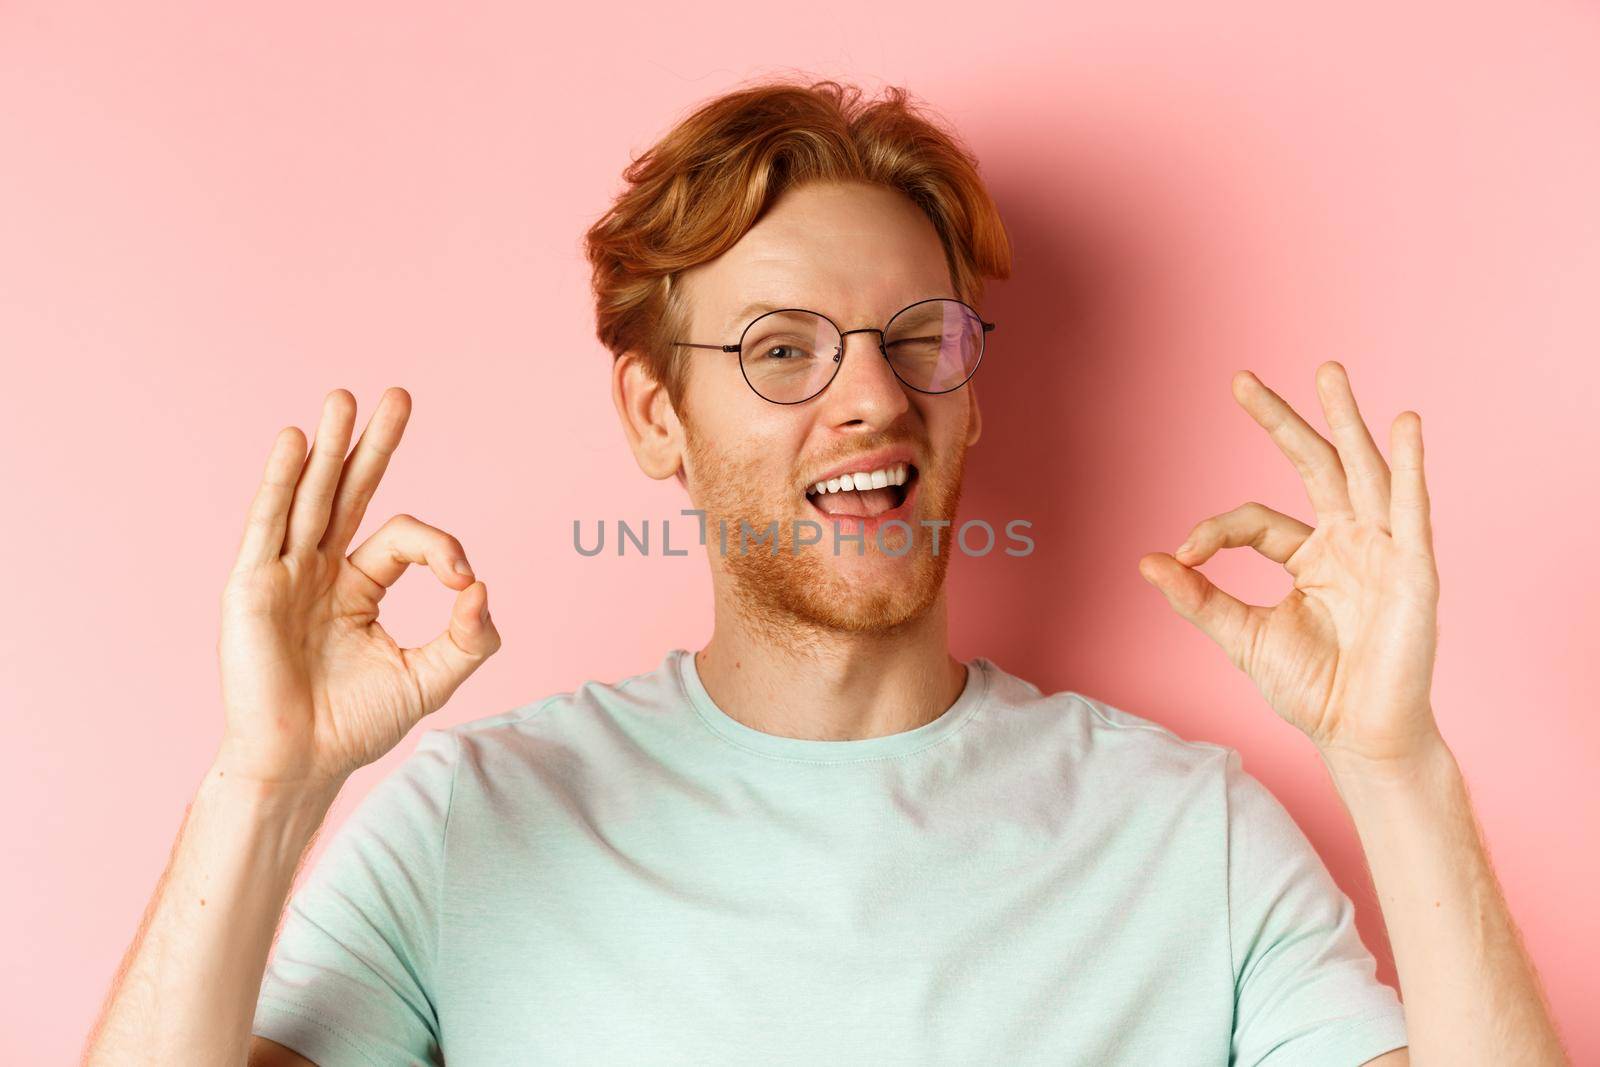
pixel 865 390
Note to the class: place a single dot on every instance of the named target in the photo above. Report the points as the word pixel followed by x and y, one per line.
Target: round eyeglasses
pixel 789 355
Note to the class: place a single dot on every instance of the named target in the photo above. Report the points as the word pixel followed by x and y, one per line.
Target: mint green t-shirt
pixel 626 874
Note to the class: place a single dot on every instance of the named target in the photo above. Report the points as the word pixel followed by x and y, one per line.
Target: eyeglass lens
pixel 789 356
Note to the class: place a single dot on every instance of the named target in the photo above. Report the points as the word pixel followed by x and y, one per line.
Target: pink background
pixel 209 221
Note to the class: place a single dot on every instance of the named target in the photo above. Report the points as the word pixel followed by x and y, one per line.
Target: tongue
pixel 857 502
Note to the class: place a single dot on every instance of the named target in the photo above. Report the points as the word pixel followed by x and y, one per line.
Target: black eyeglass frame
pixel 838 356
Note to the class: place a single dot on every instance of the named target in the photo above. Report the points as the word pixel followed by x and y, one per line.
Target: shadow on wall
pixel 1080 366
pixel 1045 454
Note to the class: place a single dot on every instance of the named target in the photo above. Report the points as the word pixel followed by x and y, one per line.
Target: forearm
pixel 1470 991
pixel 187 988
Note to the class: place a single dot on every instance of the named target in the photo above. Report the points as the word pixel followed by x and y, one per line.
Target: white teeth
pixel 877 479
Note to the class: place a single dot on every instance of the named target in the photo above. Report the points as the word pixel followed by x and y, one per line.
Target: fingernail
pixel 1186 546
pixel 463 567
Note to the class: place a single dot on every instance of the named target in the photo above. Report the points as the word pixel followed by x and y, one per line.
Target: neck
pixel 792 679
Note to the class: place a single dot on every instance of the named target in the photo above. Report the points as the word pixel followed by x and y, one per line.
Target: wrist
pixel 265 827
pixel 1423 762
pixel 239 764
pixel 297 805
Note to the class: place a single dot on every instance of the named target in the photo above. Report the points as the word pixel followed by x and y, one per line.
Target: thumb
pixel 1221 617
pixel 441 665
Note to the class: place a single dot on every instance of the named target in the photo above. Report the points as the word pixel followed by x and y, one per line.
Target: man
pixel 821 838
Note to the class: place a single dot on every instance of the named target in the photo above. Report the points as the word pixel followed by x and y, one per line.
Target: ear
pixel 648 419
pixel 975 418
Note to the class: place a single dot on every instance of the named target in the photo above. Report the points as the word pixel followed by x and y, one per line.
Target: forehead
pixel 854 252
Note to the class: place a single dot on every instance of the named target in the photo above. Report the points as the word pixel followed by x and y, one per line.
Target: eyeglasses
pixel 790 355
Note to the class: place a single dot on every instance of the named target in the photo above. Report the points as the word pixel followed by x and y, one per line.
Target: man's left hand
pixel 1347 656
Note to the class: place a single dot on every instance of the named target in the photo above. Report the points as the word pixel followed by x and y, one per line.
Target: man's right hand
pixel 312 685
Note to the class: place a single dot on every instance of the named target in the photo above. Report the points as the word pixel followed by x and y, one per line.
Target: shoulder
pixel 1101 737
pixel 560 727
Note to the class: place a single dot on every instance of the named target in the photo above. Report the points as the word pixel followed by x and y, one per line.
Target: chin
pixel 873 592
pixel 849 606
pixel 879 612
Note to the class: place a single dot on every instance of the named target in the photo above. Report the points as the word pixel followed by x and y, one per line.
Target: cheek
pixel 732 461
pixel 949 421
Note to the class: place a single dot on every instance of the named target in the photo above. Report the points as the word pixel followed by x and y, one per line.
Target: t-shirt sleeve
pixel 351 979
pixel 1305 986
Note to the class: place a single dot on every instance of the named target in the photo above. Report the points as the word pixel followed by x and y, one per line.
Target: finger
pixel 1229 622
pixel 1271 533
pixel 1315 459
pixel 1367 475
pixel 405 540
pixel 365 467
pixel 1409 507
pixel 267 518
pixel 441 665
pixel 308 514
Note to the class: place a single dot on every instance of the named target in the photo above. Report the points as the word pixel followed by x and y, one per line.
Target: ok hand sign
pixel 1347 656
pixel 313 686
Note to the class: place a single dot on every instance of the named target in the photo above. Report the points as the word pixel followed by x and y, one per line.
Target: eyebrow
pixel 747 314
pixel 744 315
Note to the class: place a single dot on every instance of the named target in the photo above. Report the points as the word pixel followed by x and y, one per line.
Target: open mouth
pixel 866 494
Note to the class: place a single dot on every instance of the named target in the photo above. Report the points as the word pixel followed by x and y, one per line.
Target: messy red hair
pixel 700 188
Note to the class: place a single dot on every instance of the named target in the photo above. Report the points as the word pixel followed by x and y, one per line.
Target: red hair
pixel 692 195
